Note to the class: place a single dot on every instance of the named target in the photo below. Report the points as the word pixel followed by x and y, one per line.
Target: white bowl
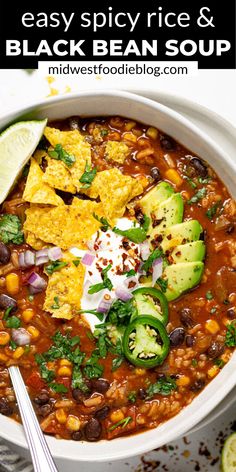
pixel 144 110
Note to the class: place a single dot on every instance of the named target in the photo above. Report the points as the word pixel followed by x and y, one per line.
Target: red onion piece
pixel 37 283
pixel 157 267
pixel 42 252
pixel 41 260
pixel 55 253
pixel 123 294
pixel 88 259
pixel 21 260
pixel 20 336
pixel 104 306
pixel 29 258
pixel 144 250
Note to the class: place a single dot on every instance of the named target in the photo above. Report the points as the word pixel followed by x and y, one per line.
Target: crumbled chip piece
pixel 73 143
pixel 34 242
pixel 116 151
pixel 37 191
pixel 115 191
pixel 65 225
pixel 66 287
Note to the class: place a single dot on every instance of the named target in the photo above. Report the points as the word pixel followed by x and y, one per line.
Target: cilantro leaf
pixel 107 283
pixel 209 295
pixel 11 229
pixel 56 305
pixel 76 261
pixel 135 234
pixel 93 369
pixel 104 223
pixel 163 284
pixel 164 386
pixel 130 273
pixel 88 176
pixel 151 258
pixel 198 196
pixel 211 212
pixel 13 322
pixel 132 397
pixel 46 374
pixel 116 363
pixel 54 266
pixel 123 423
pixel 78 380
pixel 230 338
pixel 121 312
pixel 58 387
pixel 61 154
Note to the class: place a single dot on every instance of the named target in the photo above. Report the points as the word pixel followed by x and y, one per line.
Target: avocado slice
pixel 169 213
pixel 150 202
pixel 182 233
pixel 182 277
pixel 194 251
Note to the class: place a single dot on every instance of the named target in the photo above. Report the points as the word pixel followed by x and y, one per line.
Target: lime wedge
pixel 17 144
pixel 229 454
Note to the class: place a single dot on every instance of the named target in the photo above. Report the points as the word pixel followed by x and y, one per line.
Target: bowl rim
pixel 131 445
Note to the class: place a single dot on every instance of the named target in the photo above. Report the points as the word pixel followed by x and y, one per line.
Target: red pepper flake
pixel 131 284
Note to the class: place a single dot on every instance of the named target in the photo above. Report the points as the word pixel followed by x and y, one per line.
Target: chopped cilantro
pixel 164 386
pixel 54 266
pixel 230 338
pixel 13 322
pixel 130 273
pixel 76 261
pixel 194 362
pixel 25 170
pixel 56 305
pixel 163 284
pixel 46 374
pixel 121 312
pixel 61 155
pixel 11 229
pixel 198 196
pixel 132 397
pixel 104 223
pixel 151 258
pixel 78 380
pixel 213 310
pixel 13 345
pixel 210 213
pixel 88 176
pixel 190 181
pixel 104 132
pixel 31 298
pixel 116 363
pixel 93 369
pixel 209 295
pixel 7 313
pixel 107 283
pixel 58 387
pixel 219 362
pixel 123 423
pixel 102 346
pixel 135 234
pixel 204 180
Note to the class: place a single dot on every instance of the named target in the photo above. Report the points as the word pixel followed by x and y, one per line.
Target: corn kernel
pixel 212 326
pixel 213 371
pixel 3 357
pixel 130 137
pixel 64 362
pixel 4 338
pixel 139 371
pixel 183 381
pixel 34 332
pixel 130 125
pixel 116 416
pixel 64 371
pixel 173 176
pixel 27 315
pixel 73 423
pixel 18 352
pixel 51 365
pixel 12 283
pixel 152 133
pixel 61 416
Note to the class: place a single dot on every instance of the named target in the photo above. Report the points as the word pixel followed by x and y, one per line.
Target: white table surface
pixel 199 451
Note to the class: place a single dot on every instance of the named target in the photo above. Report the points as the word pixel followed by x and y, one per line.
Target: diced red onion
pixel 144 250
pixel 104 306
pixel 20 336
pixel 42 252
pixel 132 280
pixel 26 259
pixel 123 294
pixel 157 267
pixel 88 259
pixel 55 253
pixel 41 260
pixel 21 260
pixel 37 283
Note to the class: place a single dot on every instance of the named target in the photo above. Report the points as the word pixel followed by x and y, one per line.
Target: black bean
pixel 200 167
pixel 7 302
pixel 100 385
pixel 41 399
pixel 142 393
pixel 44 410
pixel 186 319
pixel 102 413
pixel 230 229
pixel 93 430
pixel 197 385
pixel 189 340
pixel 139 215
pixel 5 407
pixel 215 350
pixel 5 253
pixel 177 337
pixel 155 174
pixel 167 143
pixel 76 436
pixel 231 313
pixel 79 395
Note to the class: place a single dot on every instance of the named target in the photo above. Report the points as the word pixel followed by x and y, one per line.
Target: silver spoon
pixel 40 453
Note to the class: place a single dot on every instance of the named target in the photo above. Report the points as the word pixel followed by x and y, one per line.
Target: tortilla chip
pixel 74 143
pixel 31 239
pixel 58 176
pixel 65 225
pixel 116 151
pixel 36 191
pixel 115 191
pixel 65 289
pixel 39 154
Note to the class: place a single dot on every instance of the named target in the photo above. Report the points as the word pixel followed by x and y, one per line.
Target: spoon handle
pixel 40 453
